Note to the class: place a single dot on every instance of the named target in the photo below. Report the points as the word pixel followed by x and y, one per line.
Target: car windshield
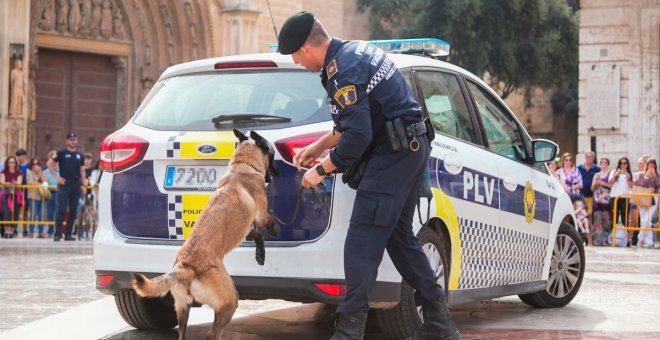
pixel 191 102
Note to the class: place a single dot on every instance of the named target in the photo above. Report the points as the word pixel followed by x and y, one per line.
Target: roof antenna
pixel 273 20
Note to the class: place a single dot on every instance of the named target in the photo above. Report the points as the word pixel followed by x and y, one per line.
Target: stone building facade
pixel 619 89
pixel 85 65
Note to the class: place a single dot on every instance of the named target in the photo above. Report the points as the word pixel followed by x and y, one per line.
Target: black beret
pixel 295 31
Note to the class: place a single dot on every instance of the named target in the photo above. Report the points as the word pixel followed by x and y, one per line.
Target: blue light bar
pixel 427 46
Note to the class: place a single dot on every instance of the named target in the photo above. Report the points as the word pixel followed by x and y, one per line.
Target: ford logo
pixel 207 149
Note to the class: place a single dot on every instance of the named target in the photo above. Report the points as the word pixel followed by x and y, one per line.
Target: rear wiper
pixel 251 118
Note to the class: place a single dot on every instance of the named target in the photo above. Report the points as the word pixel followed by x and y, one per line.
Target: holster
pixel 400 136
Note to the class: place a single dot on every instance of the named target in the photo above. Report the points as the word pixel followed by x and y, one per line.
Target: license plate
pixel 200 178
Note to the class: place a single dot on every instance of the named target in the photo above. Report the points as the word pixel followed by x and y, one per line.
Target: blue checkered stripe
pixel 175 216
pixel 382 72
pixel 493 256
pixel 173 145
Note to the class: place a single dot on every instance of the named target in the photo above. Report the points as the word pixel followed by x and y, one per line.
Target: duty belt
pixel 400 136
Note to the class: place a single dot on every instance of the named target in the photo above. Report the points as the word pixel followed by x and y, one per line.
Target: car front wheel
pixel 566 271
pixel 145 313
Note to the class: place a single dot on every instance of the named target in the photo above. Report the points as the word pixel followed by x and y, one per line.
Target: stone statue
pixel 74 17
pixel 119 24
pixel 62 15
pixel 47 21
pixel 17 87
pixel 95 24
pixel 106 19
pixel 86 18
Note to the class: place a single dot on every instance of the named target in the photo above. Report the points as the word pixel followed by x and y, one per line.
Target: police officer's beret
pixel 295 31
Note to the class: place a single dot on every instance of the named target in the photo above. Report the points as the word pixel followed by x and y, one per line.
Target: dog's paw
pixel 260 256
pixel 270 226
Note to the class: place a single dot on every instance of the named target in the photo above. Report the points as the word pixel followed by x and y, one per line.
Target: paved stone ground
pixel 48 292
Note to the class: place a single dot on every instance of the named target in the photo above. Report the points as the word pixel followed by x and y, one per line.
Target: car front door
pixel 525 201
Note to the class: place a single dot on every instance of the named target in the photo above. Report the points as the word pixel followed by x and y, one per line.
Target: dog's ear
pixel 241 137
pixel 261 142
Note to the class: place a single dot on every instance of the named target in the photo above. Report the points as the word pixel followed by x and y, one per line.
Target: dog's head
pixel 265 156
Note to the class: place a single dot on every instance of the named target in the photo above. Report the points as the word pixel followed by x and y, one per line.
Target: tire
pixel 146 313
pixel 406 318
pixel 566 271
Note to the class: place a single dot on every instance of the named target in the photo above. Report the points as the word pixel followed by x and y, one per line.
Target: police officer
pixel 370 102
pixel 70 183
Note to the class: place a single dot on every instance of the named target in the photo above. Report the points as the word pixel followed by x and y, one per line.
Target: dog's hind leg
pixel 260 255
pixel 216 289
pixel 182 303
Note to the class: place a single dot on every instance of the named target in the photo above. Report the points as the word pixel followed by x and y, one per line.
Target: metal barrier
pixel 631 224
pixel 36 198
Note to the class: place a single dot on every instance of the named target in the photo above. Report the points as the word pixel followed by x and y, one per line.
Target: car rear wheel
pixel 566 271
pixel 406 318
pixel 145 313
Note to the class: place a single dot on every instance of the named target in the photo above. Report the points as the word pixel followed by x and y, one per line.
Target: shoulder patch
pixel 346 96
pixel 332 68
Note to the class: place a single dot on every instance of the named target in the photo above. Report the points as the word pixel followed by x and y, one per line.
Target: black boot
pixel 438 324
pixel 350 326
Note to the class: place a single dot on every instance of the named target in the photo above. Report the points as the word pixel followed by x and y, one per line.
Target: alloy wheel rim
pixel 565 267
pixel 435 260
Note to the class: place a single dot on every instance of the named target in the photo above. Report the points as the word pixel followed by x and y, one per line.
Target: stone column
pixel 240 34
pixel 14 38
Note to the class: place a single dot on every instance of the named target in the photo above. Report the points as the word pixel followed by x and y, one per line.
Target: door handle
pixel 453 165
pixel 510 183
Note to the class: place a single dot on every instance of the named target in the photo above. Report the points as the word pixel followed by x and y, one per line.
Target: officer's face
pixel 306 57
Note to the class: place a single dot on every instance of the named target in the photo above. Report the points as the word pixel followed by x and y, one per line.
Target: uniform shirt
pixel 364 89
pixel 69 163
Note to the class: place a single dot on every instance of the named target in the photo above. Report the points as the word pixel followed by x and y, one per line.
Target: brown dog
pixel 199 273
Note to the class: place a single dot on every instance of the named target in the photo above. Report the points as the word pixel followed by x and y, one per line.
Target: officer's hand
pixel 311 179
pixel 306 156
pixel 61 180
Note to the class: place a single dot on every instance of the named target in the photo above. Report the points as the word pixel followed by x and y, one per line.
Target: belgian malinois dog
pixel 237 204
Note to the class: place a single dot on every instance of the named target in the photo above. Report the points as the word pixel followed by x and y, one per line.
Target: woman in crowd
pixel 10 197
pixel 649 179
pixel 570 177
pixel 552 166
pixel 51 205
pixel 602 227
pixel 620 180
pixel 35 175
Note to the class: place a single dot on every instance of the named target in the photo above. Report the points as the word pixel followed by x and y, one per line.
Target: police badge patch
pixel 346 96
pixel 529 202
pixel 332 68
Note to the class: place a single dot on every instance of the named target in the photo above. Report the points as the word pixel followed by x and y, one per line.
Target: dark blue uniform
pixel 68 195
pixel 365 89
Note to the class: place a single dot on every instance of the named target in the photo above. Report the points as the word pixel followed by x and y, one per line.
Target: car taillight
pixel 104 280
pixel 120 151
pixel 243 64
pixel 331 289
pixel 288 147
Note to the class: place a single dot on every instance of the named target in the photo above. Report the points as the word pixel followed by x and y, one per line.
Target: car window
pixel 446 105
pixel 502 131
pixel 189 102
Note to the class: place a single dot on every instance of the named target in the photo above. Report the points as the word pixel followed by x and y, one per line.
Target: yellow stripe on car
pixel 445 211
pixel 207 144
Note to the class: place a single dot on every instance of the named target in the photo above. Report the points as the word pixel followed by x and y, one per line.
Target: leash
pixel 296 209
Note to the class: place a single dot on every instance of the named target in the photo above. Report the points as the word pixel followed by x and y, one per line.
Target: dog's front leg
pixel 263 218
pixel 260 255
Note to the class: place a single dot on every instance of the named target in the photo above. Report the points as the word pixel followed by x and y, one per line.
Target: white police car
pixel 497 223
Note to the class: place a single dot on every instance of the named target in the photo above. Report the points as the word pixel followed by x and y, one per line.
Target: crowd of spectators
pixel 29 196
pixel 603 197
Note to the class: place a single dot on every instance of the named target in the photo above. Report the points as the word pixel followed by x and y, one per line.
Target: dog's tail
pixel 160 285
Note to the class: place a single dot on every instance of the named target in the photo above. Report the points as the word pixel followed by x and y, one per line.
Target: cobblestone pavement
pixel 48 291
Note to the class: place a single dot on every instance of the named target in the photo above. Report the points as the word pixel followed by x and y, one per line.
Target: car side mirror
pixel 544 150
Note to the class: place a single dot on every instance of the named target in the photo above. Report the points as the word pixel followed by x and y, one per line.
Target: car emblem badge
pixel 529 202
pixel 206 149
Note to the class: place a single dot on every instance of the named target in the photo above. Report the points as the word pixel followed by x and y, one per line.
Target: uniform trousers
pixel 67 199
pixel 382 220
